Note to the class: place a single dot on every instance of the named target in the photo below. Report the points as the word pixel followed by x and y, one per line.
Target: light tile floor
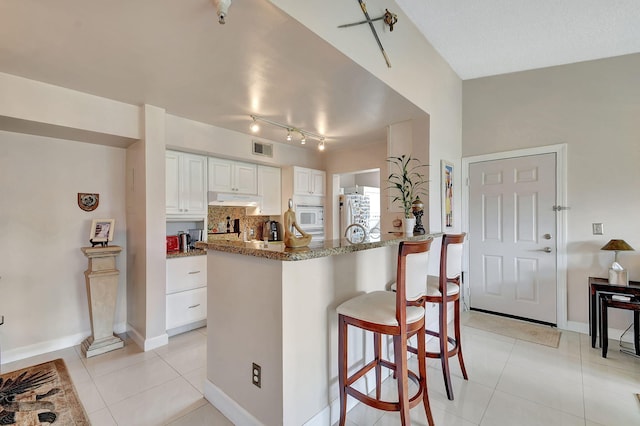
pixel 511 382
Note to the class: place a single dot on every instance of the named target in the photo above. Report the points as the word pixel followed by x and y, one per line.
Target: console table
pixel 601 285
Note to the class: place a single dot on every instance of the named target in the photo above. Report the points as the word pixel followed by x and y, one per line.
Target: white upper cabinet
pixel 308 181
pixel 269 187
pixel 185 184
pixel 232 176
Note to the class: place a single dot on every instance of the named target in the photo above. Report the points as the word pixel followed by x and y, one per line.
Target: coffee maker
pixel 273 230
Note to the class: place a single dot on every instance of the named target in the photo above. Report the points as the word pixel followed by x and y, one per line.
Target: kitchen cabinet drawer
pixel 186 307
pixel 186 273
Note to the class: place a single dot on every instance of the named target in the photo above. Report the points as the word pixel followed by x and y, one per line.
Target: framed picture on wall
pixel 447 194
pixel 102 230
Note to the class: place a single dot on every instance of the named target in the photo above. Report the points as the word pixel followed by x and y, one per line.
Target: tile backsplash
pixel 218 215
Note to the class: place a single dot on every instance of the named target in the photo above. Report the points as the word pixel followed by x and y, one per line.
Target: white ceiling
pixel 174 54
pixel 480 38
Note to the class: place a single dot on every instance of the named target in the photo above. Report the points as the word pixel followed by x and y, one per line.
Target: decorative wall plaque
pixel 88 202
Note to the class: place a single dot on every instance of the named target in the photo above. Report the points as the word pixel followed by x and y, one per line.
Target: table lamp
pixel 617 274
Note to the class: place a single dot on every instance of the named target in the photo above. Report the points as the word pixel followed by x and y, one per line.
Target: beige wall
pixel 418 73
pixel 594 108
pixel 42 285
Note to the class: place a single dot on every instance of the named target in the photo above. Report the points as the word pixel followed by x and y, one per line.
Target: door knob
pixel 546 249
pixel 547 236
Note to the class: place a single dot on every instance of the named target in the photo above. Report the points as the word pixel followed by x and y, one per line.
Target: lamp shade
pixel 617 245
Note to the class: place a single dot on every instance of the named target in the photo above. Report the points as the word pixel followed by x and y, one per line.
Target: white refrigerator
pixel 355 208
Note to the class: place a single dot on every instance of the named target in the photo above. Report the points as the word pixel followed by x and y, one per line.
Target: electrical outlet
pixel 256 375
pixel 597 228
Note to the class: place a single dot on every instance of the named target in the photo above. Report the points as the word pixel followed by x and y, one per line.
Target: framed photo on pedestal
pixel 102 231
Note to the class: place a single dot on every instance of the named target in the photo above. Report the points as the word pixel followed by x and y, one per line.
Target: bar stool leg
pixel 403 387
pixel 422 368
pixel 456 325
pixel 342 368
pixel 444 351
pixel 377 344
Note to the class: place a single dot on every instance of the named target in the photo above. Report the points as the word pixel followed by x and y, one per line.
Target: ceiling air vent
pixel 261 148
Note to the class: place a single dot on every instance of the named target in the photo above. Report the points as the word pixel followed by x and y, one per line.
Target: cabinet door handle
pixel 194 306
pixel 194 272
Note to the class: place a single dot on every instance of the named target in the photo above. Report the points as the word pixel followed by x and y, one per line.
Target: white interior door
pixel 512 241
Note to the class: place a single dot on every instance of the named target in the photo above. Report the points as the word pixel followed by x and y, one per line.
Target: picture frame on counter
pixel 102 231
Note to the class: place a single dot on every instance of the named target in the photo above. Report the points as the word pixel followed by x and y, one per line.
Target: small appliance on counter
pixel 195 235
pixel 173 243
pixel 185 241
pixel 273 230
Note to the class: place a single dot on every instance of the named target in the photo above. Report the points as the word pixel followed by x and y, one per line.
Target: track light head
pixel 254 127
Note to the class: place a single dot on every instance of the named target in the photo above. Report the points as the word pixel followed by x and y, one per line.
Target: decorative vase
pixel 409 224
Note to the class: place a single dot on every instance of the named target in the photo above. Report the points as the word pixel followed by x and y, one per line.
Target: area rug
pixel 40 394
pixel 540 334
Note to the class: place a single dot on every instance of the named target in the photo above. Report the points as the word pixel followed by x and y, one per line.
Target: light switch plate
pixel 597 229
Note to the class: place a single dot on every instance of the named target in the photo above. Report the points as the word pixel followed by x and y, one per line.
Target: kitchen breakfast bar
pixel 275 307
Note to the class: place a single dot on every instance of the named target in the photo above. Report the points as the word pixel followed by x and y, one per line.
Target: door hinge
pixel 559 208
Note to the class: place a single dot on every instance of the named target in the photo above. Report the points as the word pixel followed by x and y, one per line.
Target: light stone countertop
pixel 277 250
pixel 194 252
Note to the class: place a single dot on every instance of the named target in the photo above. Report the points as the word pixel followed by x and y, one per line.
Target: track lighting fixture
pixel 304 134
pixel 254 127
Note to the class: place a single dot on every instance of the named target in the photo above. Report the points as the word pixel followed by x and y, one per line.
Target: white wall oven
pixel 310 218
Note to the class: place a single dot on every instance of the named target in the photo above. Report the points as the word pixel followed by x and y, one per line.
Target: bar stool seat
pixel 400 315
pixel 433 287
pixel 378 307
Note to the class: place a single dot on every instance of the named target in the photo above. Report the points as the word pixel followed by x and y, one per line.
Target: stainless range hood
pixel 233 200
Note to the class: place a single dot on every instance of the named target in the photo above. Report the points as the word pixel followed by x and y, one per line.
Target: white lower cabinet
pixel 186 307
pixel 186 293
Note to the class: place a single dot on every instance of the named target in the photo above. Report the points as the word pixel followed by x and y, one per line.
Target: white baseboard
pixel 43 347
pixel 227 406
pixel 147 344
pixel 68 341
pixel 120 328
pixel 583 327
pixel 331 414
pixel 578 327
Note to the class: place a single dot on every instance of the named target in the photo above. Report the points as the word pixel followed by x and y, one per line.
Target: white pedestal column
pixel 102 290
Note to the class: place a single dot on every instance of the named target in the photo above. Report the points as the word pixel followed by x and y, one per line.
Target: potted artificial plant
pixel 407 182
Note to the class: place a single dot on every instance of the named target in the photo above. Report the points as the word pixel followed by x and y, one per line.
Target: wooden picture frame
pixel 88 201
pixel 447 191
pixel 102 230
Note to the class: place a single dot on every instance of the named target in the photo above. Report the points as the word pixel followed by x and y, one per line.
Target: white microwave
pixel 310 217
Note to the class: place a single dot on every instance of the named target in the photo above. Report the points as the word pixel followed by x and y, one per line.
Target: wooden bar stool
pixel 606 302
pixel 443 289
pixel 400 315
